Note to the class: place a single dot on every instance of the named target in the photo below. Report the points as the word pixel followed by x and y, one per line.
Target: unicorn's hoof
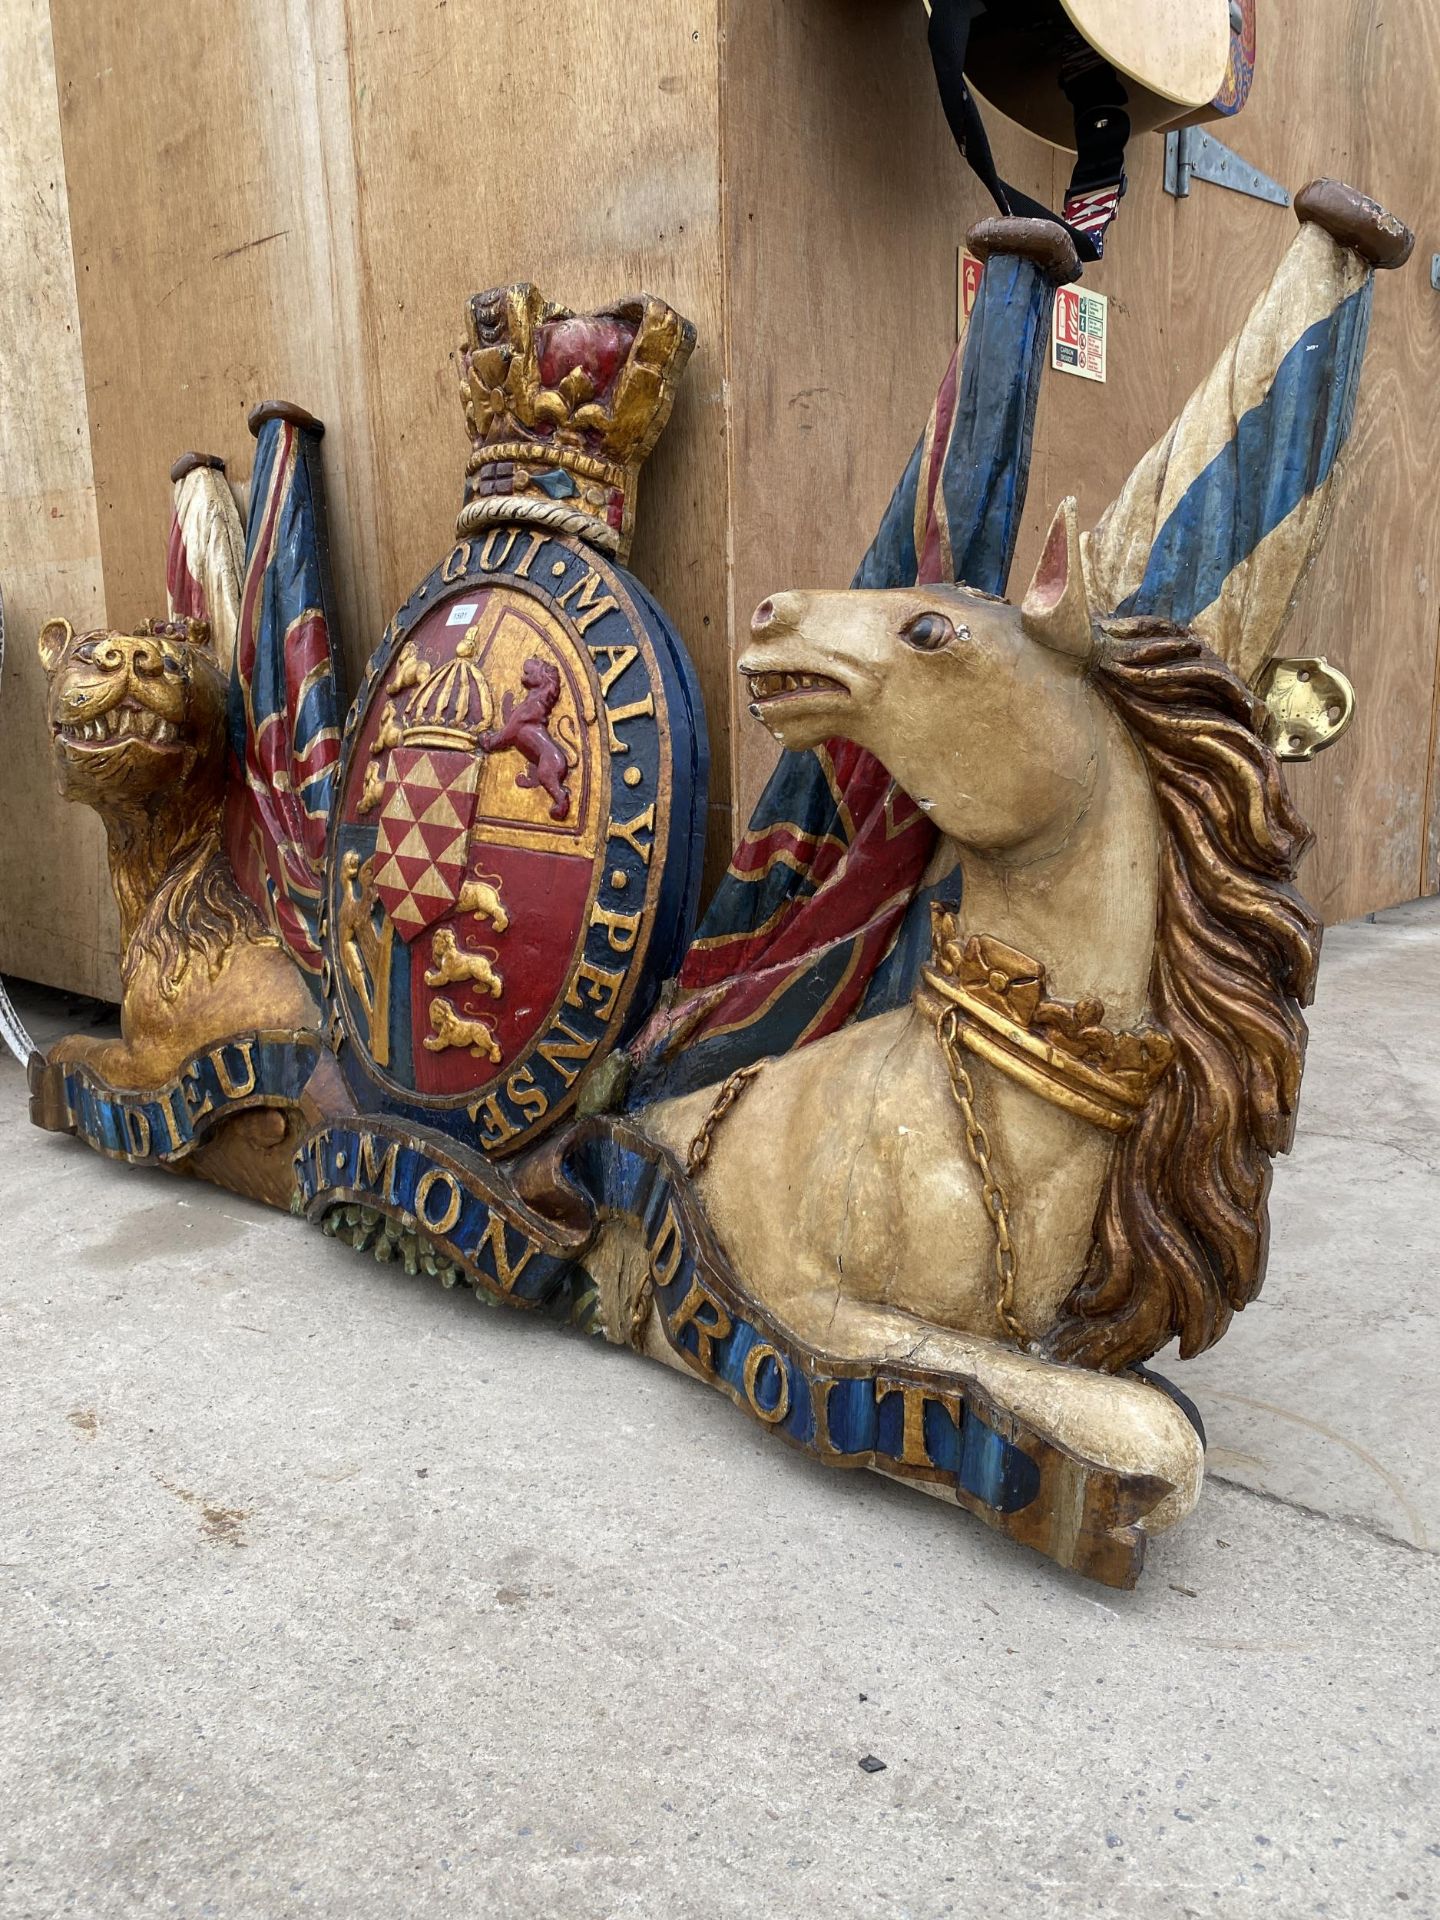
pixel 1116 1421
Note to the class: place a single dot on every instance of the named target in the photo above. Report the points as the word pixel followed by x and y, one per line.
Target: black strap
pixel 1102 127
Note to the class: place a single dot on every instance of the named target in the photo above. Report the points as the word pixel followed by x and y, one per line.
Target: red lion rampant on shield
pixel 526 727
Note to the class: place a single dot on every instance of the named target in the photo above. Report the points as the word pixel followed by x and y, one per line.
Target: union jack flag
pixel 284 694
pixel 821 916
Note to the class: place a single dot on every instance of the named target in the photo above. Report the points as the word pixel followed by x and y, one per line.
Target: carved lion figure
pixel 451 1029
pixel 456 965
pixel 137 724
pixel 526 728
pixel 482 898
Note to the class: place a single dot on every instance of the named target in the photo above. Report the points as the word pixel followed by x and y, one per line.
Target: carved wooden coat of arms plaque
pixel 961 1106
pixel 516 849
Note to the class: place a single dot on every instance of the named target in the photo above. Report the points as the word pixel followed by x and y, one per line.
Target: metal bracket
pixel 1310 705
pixel 1190 153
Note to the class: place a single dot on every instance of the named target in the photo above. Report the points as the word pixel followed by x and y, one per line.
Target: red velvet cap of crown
pixel 562 408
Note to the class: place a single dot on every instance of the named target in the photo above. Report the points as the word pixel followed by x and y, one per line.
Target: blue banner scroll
pixel 466 1207
pixel 157 1126
pixel 937 1430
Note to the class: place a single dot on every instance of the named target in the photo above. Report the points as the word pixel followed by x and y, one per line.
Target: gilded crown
pixel 562 409
pixel 1061 1049
pixel 450 706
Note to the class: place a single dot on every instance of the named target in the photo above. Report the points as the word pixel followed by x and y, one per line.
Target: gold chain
pixel 729 1093
pixel 640 1312
pixel 694 1159
pixel 977 1144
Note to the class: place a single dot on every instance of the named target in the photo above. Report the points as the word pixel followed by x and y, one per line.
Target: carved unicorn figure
pixel 1056 1158
pixel 922 1206
pixel 1051 750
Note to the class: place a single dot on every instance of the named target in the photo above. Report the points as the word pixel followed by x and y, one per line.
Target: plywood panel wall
pixel 845 203
pixel 592 168
pixel 56 915
pixel 1341 86
pixel 294 199
pixel 311 227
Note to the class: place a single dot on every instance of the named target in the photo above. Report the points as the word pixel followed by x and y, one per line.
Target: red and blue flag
pixel 285 700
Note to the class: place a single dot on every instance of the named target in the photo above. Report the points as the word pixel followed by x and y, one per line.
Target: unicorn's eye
pixel 929 631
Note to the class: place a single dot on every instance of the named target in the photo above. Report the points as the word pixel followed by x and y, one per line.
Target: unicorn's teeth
pixel 765 686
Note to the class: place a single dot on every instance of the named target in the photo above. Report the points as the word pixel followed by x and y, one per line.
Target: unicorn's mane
pixel 1182 1227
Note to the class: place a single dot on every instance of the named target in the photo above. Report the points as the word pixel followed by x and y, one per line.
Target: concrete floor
pixel 328 1592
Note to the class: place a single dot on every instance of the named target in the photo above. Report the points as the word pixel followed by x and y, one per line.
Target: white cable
pixel 12 1031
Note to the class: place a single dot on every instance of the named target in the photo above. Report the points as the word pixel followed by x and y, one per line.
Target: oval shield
pixel 517 856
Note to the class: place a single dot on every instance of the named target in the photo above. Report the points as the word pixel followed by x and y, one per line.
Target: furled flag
pixel 1217 525
pixel 820 916
pixel 273 620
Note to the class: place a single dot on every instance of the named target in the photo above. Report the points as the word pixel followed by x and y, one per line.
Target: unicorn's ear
pixel 1056 608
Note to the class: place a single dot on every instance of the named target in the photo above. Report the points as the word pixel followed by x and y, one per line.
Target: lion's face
pixel 132 715
pixel 540 673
